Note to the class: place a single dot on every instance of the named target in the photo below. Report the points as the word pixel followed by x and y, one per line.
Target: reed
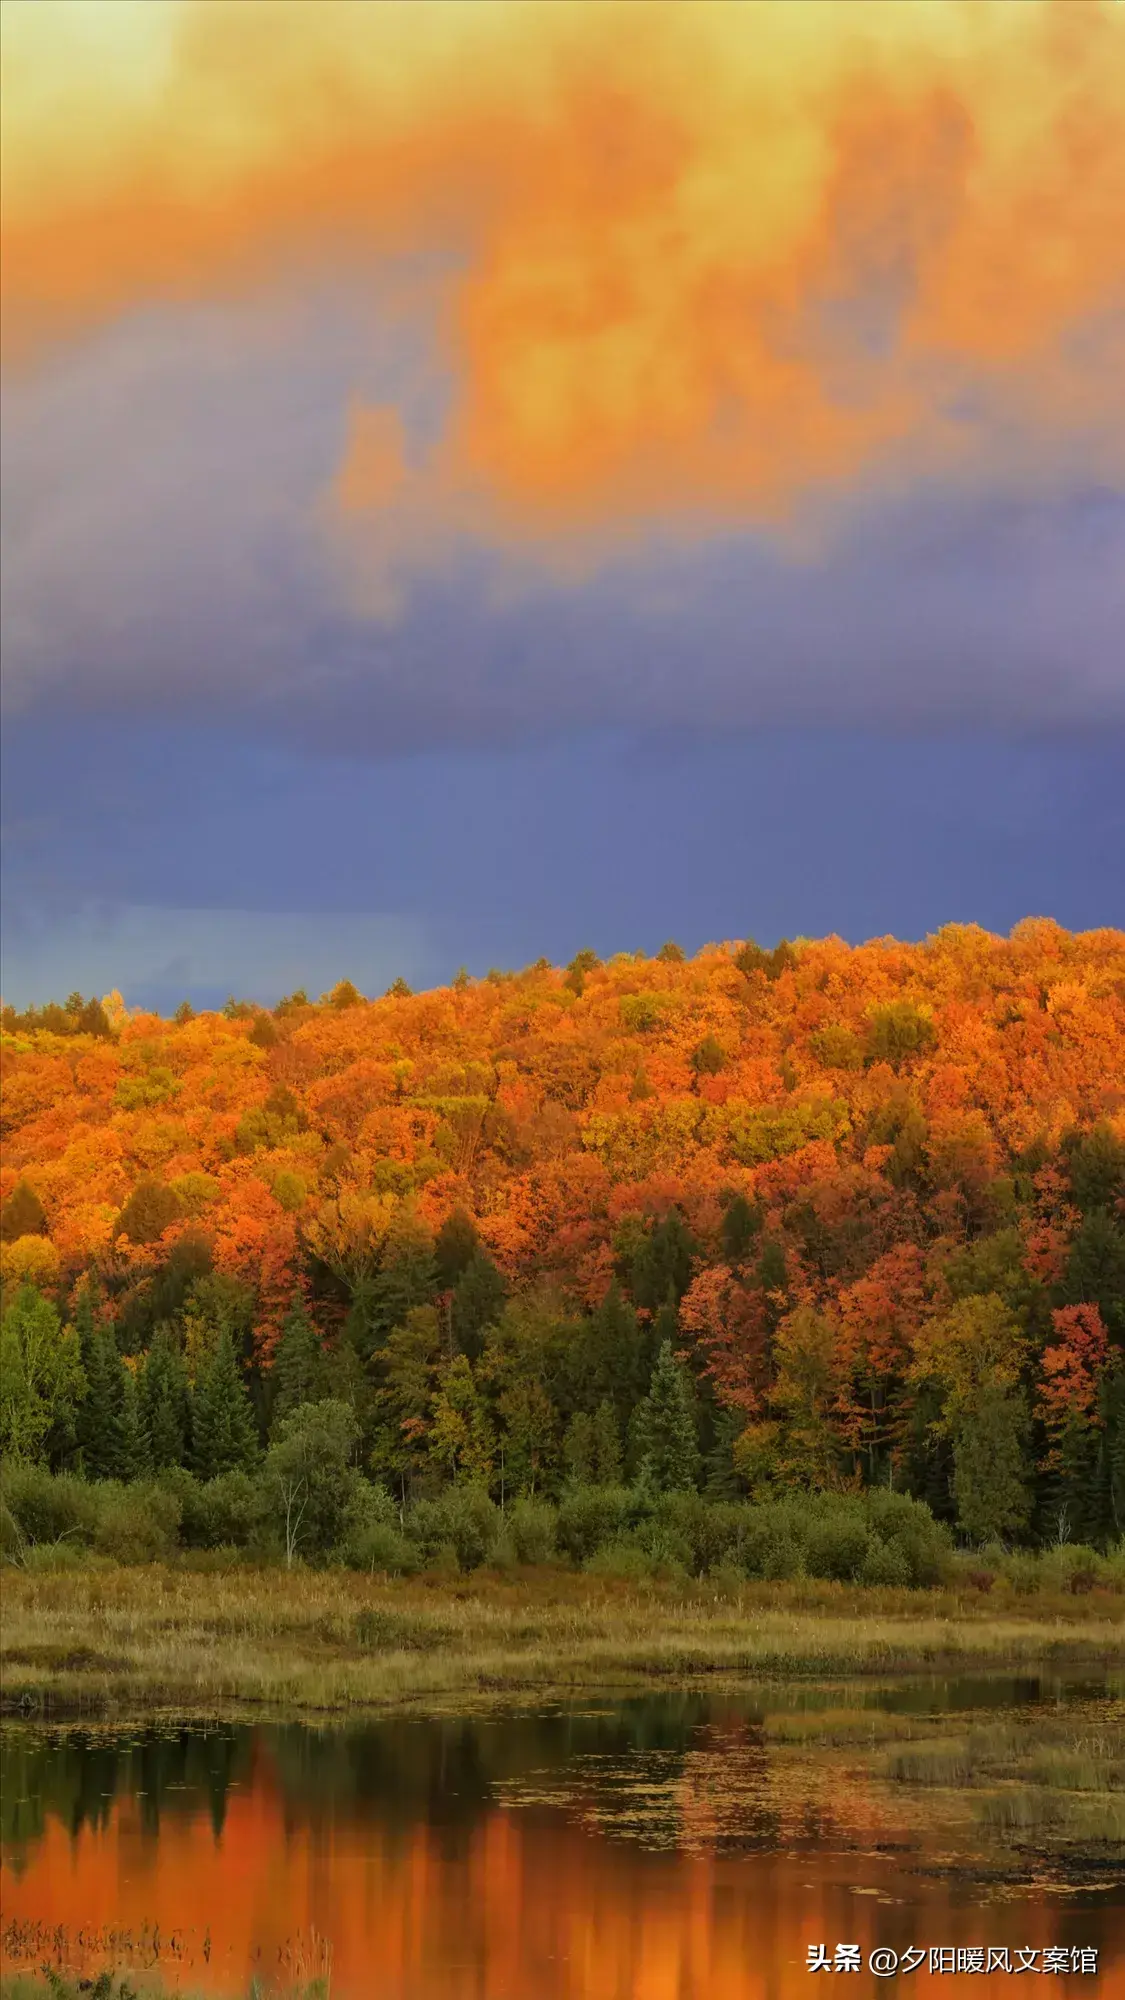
pixel 943 1764
pixel 116 1639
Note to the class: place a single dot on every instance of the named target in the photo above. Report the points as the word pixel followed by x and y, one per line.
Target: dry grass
pixel 106 1640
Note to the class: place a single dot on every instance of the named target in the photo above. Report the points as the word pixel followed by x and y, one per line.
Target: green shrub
pixel 836 1545
pixel 727 1578
pixel 371 1536
pixel 670 1557
pixel 216 1512
pixel 463 1519
pixel 1114 1565
pixel 589 1518
pixel 622 1560
pixel 770 1549
pixel 368 1506
pixel 1023 1572
pixel 444 1561
pixel 909 1525
pixel 532 1525
pixel 39 1506
pixel 503 1555
pixel 669 1553
pixel 720 1535
pixel 379 1545
pixel 885 1563
pixel 44 1558
pixel 137 1523
pixel 709 1532
pixel 1073 1567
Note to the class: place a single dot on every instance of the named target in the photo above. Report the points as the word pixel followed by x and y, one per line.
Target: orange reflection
pixel 517 1902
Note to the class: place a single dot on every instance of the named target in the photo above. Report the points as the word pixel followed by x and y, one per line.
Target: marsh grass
pixel 90 1641
pixel 944 1764
pixel 839 1727
pixel 1073 1771
pixel 1098 1820
pixel 1019 1809
pixel 1053 1776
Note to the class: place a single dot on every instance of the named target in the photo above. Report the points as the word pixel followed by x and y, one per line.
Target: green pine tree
pixel 1095 1271
pixel 740 1226
pixel 1074 1503
pixel 164 1399
pixel 773 1271
pixel 990 1467
pixel 661 1262
pixel 606 1441
pixel 478 1301
pixel 223 1433
pixel 721 1481
pixel 100 1417
pixel 300 1366
pixel 23 1214
pixel 579 1449
pixel 1111 1451
pixel 85 1320
pixel 454 1248
pixel 665 1327
pixel 616 1354
pixel 406 1278
pixel 133 1458
pixel 664 1428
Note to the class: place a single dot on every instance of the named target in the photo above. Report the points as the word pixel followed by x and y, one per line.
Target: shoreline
pixel 106 1643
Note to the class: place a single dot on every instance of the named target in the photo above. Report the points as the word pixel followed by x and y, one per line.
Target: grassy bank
pixel 110 1640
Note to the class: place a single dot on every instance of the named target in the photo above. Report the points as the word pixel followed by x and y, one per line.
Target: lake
pixel 666 1847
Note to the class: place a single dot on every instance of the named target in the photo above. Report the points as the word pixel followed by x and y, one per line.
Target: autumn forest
pixel 750 1225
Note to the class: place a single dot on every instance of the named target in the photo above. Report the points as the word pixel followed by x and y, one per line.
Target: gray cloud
pixel 165 553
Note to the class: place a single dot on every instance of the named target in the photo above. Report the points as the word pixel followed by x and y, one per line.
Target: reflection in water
pixel 660 1849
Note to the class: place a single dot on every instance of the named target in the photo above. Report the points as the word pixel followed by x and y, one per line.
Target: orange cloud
pixel 702 260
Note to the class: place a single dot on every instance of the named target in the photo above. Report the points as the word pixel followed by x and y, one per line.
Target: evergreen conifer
pixel 989 1470
pixel 133 1459
pixel 1095 1271
pixel 478 1301
pixel 22 1214
pixel 606 1445
pixel 617 1348
pixel 300 1367
pixel 407 1278
pixel 99 1426
pixel 740 1225
pixel 164 1400
pixel 454 1248
pixel 223 1434
pixel 665 1428
pixel 662 1262
pixel 579 1450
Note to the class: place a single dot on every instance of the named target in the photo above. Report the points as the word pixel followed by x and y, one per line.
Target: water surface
pixel 663 1848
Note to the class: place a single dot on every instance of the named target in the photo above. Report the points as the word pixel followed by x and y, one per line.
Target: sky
pixel 480 481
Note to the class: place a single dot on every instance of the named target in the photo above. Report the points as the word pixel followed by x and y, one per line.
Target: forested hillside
pixel 748 1221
